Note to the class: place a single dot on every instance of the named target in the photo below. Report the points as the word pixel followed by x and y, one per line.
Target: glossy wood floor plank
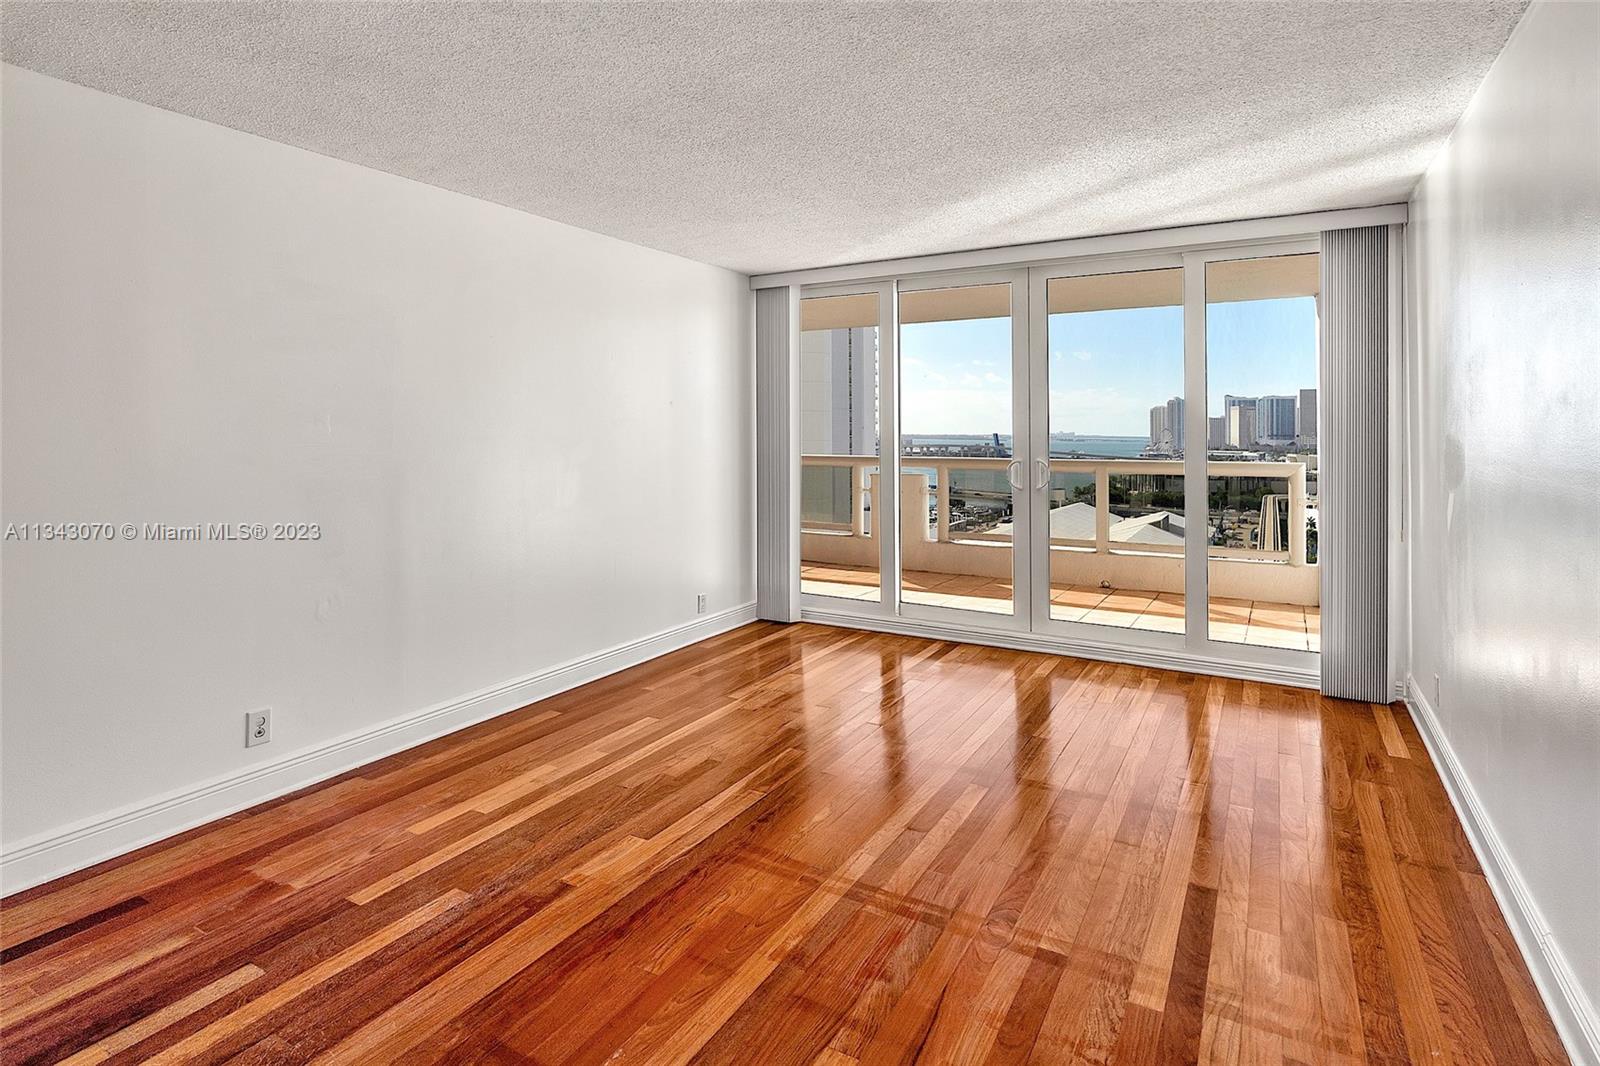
pixel 794 844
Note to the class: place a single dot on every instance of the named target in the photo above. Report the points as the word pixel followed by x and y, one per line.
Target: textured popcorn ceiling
pixel 768 137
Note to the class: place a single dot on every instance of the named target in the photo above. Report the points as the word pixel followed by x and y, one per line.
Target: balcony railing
pixel 836 521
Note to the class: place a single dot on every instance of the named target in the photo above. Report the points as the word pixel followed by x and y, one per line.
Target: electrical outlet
pixel 700 604
pixel 257 727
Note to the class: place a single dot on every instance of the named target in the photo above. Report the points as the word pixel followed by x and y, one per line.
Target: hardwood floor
pixel 795 844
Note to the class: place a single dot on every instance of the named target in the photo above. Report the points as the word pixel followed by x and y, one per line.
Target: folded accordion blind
pixel 777 456
pixel 1353 509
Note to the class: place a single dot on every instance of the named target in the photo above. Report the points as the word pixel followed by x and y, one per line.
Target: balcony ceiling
pixel 768 137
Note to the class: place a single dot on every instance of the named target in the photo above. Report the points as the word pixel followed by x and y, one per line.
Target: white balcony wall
pixel 1279 577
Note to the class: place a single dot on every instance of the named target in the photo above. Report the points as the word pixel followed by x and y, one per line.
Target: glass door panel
pixel 959 473
pixel 1261 469
pixel 839 449
pixel 1115 494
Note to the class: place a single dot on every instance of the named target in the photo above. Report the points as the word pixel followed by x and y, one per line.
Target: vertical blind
pixel 1353 489
pixel 777 455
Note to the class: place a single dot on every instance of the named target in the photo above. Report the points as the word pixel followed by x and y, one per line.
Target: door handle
pixel 1013 474
pixel 1043 467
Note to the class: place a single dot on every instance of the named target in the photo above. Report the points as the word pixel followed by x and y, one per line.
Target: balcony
pixel 1115 559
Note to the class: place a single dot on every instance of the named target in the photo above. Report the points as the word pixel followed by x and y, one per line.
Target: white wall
pixel 524 443
pixel 1504 457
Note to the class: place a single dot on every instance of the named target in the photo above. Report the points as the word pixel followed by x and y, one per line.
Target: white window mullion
pixel 1195 584
pixel 886 511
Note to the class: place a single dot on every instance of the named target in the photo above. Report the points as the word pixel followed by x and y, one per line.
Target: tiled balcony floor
pixel 1258 622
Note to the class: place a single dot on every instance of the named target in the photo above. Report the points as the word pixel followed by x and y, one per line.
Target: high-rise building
pixel 1217 432
pixel 1305 426
pixel 1166 425
pixel 838 391
pixel 1242 425
pixel 1229 403
pixel 1160 433
pixel 1275 419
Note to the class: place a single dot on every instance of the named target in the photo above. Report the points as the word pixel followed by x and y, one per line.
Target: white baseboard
pixel 1575 1018
pixel 61 851
pixel 1160 659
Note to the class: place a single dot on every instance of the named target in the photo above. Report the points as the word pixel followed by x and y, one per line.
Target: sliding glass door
pixel 1264 588
pixel 1174 446
pixel 963 389
pixel 1108 447
pixel 845 346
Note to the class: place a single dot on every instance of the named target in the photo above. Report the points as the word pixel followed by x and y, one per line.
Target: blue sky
pixel 1107 368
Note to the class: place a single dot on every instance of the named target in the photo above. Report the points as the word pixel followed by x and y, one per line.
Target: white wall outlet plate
pixel 257 727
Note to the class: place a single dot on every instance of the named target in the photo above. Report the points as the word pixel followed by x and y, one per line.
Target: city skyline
pixel 1107 368
pixel 1248 421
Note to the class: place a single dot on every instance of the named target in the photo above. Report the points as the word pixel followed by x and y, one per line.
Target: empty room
pixel 828 533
